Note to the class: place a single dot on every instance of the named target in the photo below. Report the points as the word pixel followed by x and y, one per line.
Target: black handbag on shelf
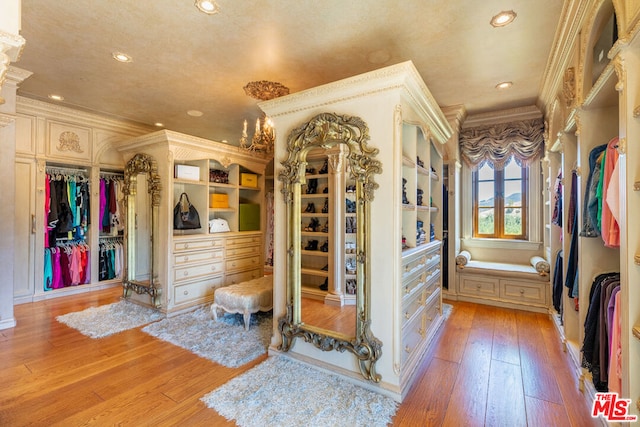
pixel 185 215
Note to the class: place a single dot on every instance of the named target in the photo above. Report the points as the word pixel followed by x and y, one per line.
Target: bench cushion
pixel 245 298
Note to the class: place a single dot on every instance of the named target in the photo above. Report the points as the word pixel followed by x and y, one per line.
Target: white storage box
pixel 191 173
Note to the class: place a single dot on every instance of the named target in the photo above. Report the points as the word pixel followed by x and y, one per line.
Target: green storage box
pixel 249 217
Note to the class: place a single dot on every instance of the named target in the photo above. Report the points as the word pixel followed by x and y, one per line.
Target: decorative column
pixel 336 229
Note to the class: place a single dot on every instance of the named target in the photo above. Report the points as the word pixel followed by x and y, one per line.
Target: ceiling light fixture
pixel 504 85
pixel 158 124
pixel 503 18
pixel 56 97
pixel 264 135
pixel 210 7
pixel 121 57
pixel 195 113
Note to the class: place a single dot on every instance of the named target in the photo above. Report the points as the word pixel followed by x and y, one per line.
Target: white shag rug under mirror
pixel 225 342
pixel 284 392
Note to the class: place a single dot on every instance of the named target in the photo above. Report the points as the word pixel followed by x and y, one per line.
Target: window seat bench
pixel 525 287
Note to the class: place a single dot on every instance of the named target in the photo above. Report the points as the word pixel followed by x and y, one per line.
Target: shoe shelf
pixel 314 253
pixel 317 215
pixel 314 272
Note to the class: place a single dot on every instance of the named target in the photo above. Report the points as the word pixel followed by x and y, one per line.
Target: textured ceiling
pixel 186 60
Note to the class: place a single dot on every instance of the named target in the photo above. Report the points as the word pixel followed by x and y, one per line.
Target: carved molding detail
pixel 619 68
pixel 69 141
pixel 569 86
pixel 11 46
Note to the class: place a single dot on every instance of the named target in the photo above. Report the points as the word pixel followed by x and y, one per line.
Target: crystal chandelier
pixel 264 135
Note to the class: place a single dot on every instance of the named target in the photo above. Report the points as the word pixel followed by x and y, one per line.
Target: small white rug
pixel 105 320
pixel 225 342
pixel 284 392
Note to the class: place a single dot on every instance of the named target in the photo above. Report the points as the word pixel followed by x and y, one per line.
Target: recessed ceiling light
pixel 121 57
pixel 504 85
pixel 194 113
pixel 210 7
pixel 503 18
pixel 56 97
pixel 159 124
pixel 225 141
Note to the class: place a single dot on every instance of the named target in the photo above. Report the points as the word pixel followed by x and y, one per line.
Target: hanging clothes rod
pixel 117 175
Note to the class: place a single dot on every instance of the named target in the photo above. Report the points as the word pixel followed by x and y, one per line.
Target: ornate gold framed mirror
pixel 141 191
pixel 342 140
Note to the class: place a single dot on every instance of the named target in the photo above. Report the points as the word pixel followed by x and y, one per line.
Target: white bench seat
pixel 246 298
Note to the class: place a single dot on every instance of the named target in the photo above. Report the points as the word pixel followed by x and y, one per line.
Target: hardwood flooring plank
pixel 429 397
pixel 538 374
pixel 505 337
pixel 468 401
pixel 542 413
pixel 505 399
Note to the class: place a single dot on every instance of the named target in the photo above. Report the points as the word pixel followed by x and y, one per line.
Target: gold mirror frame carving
pixel 141 164
pixel 327 130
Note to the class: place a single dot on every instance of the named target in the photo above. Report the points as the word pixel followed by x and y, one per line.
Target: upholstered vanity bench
pixel 504 284
pixel 246 298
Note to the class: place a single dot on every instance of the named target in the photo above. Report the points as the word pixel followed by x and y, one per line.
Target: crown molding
pixel 503 116
pixel 11 45
pixel 37 108
pixel 402 77
pixel 574 13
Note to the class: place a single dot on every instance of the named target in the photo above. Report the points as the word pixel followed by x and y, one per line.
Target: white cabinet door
pixel 25 226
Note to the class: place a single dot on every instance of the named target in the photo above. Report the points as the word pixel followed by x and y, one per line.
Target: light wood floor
pixel 489 366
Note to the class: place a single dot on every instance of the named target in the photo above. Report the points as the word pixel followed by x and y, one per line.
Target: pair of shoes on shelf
pixel 325 268
pixel 325 246
pixel 351 188
pixel 351 206
pixel 312 245
pixel 313 225
pixel 325 229
pixel 350 247
pixel 350 225
pixel 326 190
pixel 325 208
pixel 325 168
pixel 419 193
pixel 310 171
pixel 419 162
pixel 311 208
pixel 325 285
pixel 351 286
pixel 350 265
pixel 312 186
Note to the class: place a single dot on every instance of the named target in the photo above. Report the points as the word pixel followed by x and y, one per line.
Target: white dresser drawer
pixel 195 271
pixel 242 263
pixel 243 240
pixel 195 291
pixel 232 279
pixel 479 286
pixel 198 257
pixel 412 305
pixel 530 293
pixel 181 245
pixel 243 251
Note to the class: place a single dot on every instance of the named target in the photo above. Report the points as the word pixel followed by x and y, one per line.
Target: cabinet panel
pixel 247 250
pixel 24 229
pixel 522 292
pixel 194 291
pixel 242 263
pixel 479 286
pixel 243 276
pixel 195 271
pixel 243 240
pixel 198 257
pixel 180 245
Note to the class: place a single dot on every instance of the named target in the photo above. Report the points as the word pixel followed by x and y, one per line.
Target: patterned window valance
pixel 497 143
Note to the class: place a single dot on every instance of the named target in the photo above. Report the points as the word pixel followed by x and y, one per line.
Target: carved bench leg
pixel 247 319
pixel 214 311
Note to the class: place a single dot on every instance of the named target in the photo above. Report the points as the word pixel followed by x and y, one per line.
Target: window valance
pixel 497 143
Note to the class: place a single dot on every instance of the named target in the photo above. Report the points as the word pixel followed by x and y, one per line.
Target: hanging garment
pixel 615 351
pixel 557 283
pixel 590 207
pixel 48 272
pixel 609 228
pixel 557 206
pixel 572 265
pixel 56 282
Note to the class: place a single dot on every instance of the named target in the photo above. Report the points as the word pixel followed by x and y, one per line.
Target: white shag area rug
pixel 225 342
pixel 105 320
pixel 284 392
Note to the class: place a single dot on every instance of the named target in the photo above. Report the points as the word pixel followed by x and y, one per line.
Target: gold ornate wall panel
pixel 67 142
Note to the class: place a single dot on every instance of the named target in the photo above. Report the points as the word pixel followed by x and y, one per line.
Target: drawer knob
pixel 186 292
pixel 407 349
pixel 521 291
pixel 186 258
pixel 406 315
pixel 213 268
pixel 478 287
pixel 186 246
pixel 186 273
pixel 233 264
pixel 406 289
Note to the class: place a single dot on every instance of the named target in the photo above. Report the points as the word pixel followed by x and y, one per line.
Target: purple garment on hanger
pixel 64 269
pixel 56 281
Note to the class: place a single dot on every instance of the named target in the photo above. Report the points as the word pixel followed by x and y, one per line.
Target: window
pixel 500 201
